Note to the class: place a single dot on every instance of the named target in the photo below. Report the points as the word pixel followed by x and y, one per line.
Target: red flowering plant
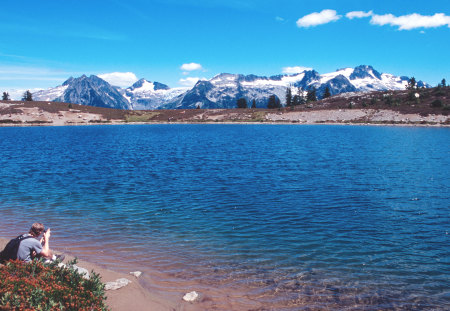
pixel 41 286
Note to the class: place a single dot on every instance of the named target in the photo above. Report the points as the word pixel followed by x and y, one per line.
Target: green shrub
pixel 39 286
pixel 388 101
pixel 436 103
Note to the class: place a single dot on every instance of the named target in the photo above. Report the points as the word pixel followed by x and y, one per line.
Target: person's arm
pixel 46 247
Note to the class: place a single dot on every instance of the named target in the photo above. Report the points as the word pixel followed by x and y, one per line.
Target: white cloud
pixel 23 77
pixel 318 18
pixel 121 79
pixel 295 69
pixel 279 19
pixel 189 81
pixel 358 14
pixel 411 21
pixel 31 71
pixel 191 67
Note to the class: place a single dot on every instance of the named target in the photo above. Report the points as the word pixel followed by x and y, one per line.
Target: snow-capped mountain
pixel 225 89
pixel 222 91
pixel 90 91
pixel 150 95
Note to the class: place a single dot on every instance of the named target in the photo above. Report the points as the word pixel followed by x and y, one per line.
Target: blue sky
pixel 44 42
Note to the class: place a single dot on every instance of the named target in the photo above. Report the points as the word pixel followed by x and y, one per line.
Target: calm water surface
pixel 333 217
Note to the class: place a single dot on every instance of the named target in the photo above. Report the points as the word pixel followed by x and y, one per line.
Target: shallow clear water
pixel 335 217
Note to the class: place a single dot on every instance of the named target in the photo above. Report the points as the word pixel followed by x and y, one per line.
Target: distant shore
pixel 236 123
pixel 63 114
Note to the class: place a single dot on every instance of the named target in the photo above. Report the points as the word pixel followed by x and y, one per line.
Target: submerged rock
pixel 136 273
pixel 191 297
pixel 119 283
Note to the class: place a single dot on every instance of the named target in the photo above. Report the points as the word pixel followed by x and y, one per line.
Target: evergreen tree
pixel 253 103
pixel 241 103
pixel 198 107
pixel 412 84
pixel 311 95
pixel 274 102
pixel 443 83
pixel 301 96
pixel 27 96
pixel 5 96
pixel 288 97
pixel 326 93
pixel 296 100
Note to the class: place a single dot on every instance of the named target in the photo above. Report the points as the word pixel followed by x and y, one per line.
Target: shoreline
pixel 133 296
pixel 439 125
pixel 150 291
pixel 20 114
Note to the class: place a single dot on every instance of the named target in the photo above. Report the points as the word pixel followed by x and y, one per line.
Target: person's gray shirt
pixel 27 247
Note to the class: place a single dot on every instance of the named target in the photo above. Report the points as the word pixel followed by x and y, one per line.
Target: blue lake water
pixel 337 217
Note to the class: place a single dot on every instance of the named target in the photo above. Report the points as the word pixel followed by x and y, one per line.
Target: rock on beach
pixel 119 283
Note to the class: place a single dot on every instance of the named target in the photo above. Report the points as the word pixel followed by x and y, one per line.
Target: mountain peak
pixel 223 75
pixel 68 81
pixel 91 91
pixel 148 86
pixel 160 86
pixel 365 71
pixel 138 84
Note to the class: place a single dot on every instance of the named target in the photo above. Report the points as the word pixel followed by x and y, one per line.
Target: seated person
pixel 31 248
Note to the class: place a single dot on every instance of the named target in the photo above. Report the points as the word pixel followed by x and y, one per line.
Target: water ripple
pixel 296 217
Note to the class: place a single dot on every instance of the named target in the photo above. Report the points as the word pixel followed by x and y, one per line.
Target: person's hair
pixel 36 229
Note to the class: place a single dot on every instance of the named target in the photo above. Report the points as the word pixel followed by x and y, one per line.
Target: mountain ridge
pixel 221 91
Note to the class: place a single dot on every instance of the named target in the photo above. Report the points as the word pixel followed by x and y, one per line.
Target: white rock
pixel 136 273
pixel 191 297
pixel 82 271
pixel 119 283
